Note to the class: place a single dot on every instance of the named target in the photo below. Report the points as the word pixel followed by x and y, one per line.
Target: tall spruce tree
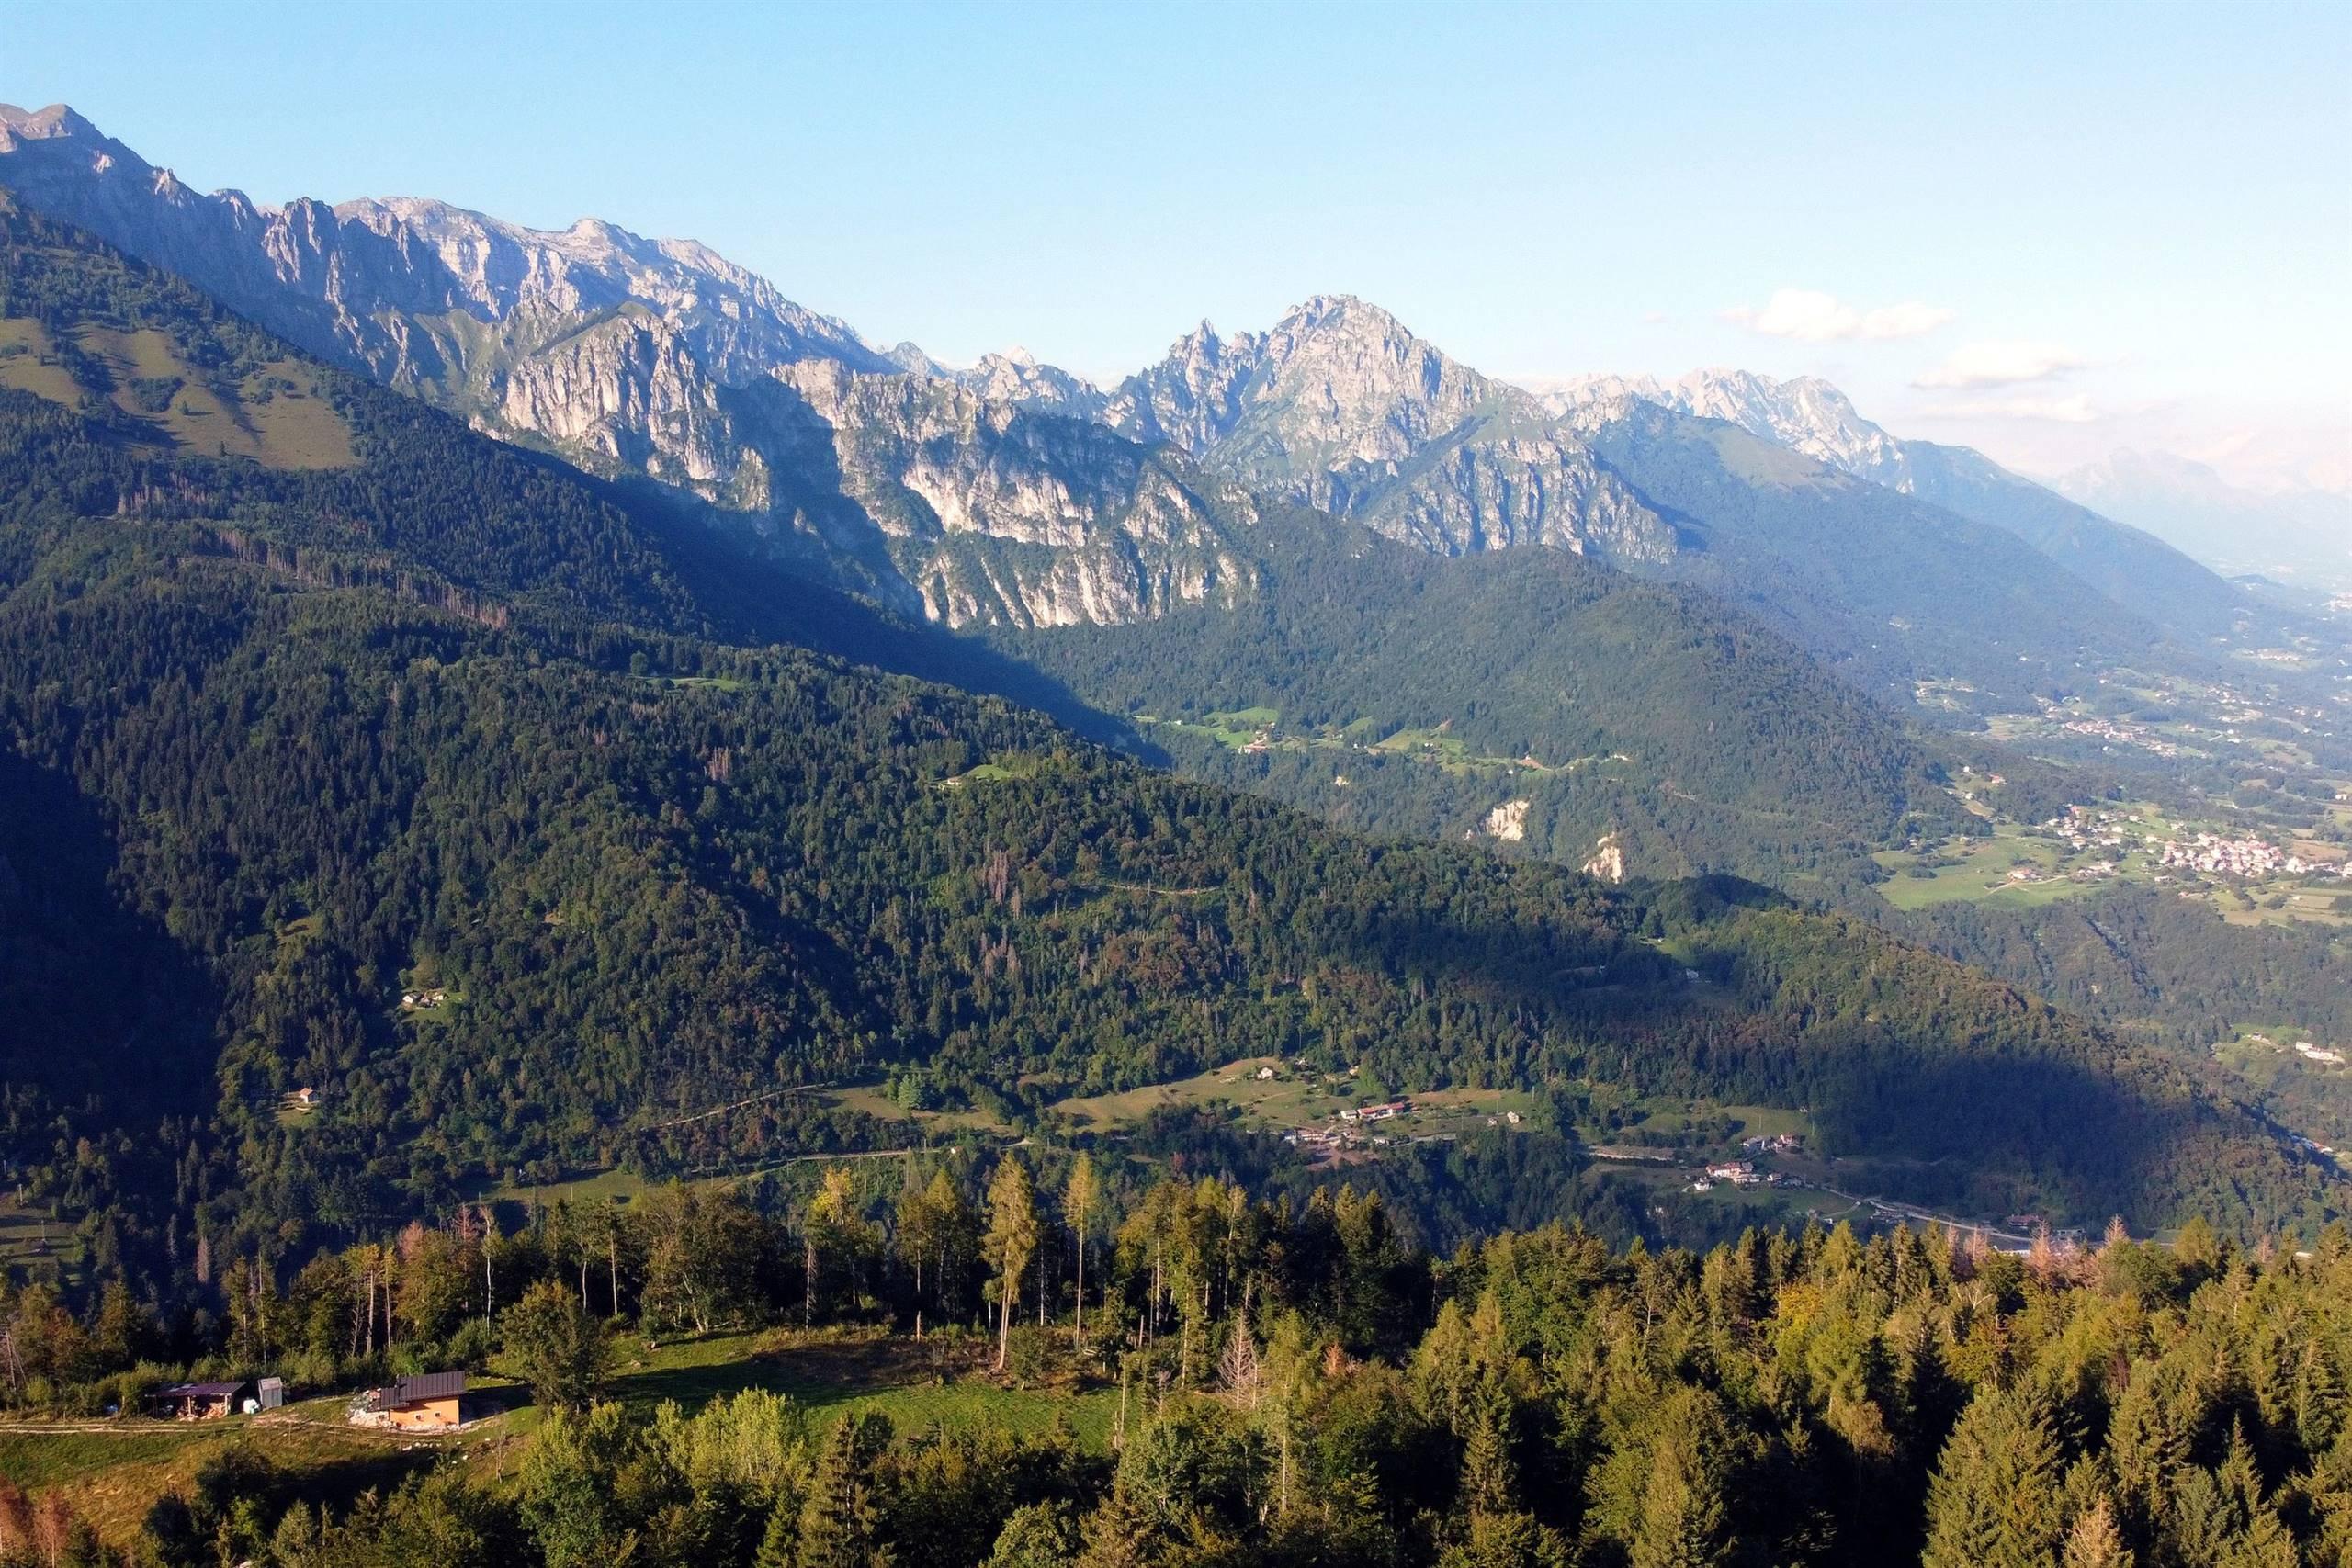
pixel 1997 1498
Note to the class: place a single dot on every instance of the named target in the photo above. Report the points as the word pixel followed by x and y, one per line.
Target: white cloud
pixel 2075 409
pixel 1814 317
pixel 2003 364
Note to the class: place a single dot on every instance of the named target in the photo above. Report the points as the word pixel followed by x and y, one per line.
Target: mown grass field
pixel 1292 1099
pixel 112 1478
pixel 1285 1100
pixel 29 1235
pixel 832 1375
pixel 1983 867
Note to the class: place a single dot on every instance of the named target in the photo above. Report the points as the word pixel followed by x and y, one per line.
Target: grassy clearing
pixel 28 363
pixel 1260 729
pixel 276 416
pixel 997 770
pixel 872 1100
pixel 1291 1099
pixel 293 427
pixel 593 1189
pixel 1981 868
pixel 29 1236
pixel 112 1475
pixel 1285 1100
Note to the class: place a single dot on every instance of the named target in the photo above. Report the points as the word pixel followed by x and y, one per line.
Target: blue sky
pixel 2079 226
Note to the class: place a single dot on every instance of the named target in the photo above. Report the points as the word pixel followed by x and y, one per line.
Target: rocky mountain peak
pixel 57 122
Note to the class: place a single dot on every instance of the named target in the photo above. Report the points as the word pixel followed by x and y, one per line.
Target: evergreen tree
pixel 1683 1521
pixel 1995 1500
pixel 837 1520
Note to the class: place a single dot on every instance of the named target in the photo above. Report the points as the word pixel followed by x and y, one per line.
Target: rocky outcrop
pixel 979 495
pixel 1017 378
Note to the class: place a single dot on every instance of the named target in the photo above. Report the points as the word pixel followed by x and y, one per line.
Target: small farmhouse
pixel 433 1401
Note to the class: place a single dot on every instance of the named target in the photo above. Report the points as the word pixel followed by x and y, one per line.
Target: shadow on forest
pixel 104 1005
pixel 1954 1104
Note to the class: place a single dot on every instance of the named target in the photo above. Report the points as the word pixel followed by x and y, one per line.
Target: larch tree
pixel 1012 1242
pixel 1079 1203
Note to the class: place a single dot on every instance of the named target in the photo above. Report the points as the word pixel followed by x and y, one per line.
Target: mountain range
pixel 944 494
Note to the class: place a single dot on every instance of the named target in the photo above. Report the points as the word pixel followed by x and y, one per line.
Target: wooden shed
pixel 199 1401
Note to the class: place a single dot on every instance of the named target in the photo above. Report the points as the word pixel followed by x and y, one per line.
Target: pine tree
pixel 1490 1479
pixel 1115 1533
pixel 1682 1522
pixel 780 1545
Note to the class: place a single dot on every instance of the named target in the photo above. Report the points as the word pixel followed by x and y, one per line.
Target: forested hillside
pixel 290 748
pixel 1622 709
pixel 1929 595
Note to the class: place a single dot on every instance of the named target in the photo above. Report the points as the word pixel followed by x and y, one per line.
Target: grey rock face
pixel 1806 414
pixel 943 489
pixel 1017 378
pixel 1000 515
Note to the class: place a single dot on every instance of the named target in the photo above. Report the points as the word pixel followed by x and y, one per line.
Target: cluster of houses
pixel 1773 1144
pixel 2241 857
pixel 2321 1053
pixel 1344 1136
pixel 432 999
pixel 431 1402
pixel 2121 735
pixel 2085 828
pixel 1737 1173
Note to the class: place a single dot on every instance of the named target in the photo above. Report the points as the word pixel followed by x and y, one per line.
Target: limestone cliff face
pixel 1501 489
pixel 997 513
pixel 1008 492
pixel 626 389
